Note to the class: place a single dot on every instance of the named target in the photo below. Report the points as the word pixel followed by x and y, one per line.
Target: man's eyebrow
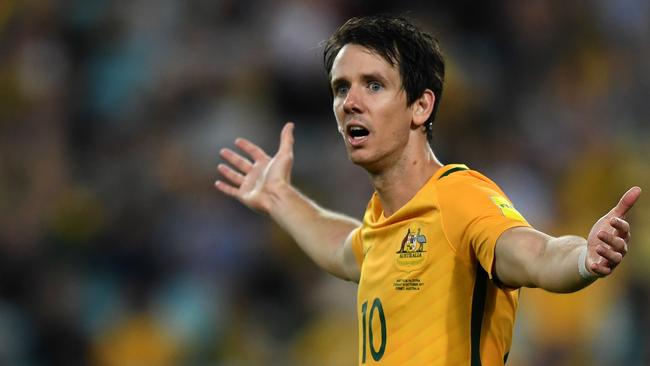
pixel 374 76
pixel 365 77
pixel 338 81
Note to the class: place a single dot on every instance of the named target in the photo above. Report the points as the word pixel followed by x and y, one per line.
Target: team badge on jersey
pixel 412 253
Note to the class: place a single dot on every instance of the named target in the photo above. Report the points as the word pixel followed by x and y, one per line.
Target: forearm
pixel 557 269
pixel 319 232
pixel 526 257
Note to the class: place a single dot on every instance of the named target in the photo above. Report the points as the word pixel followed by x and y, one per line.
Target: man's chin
pixel 357 157
pixel 362 160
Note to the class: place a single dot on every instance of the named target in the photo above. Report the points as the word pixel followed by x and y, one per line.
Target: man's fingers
pixel 617 243
pixel 600 268
pixel 226 188
pixel 626 202
pixel 612 250
pixel 238 161
pixel 234 177
pixel 622 227
pixel 251 149
pixel 286 139
pixel 612 256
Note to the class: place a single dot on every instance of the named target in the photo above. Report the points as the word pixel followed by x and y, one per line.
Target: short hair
pixel 416 53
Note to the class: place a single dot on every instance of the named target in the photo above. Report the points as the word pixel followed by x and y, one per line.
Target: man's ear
pixel 423 107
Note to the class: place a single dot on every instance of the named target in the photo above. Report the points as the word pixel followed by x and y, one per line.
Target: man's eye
pixel 341 90
pixel 374 86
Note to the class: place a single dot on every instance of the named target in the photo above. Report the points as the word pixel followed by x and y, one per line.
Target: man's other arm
pixel 263 183
pixel 529 258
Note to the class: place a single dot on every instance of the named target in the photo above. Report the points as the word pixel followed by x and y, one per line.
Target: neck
pixel 398 183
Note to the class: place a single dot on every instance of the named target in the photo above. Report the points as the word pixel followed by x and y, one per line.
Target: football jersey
pixel 426 294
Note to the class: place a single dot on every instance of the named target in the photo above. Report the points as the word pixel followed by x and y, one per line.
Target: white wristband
pixel 582 267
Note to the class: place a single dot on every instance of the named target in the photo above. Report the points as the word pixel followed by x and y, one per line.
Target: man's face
pixel 370 107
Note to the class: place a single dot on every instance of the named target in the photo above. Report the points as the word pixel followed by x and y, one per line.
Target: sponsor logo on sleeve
pixel 507 209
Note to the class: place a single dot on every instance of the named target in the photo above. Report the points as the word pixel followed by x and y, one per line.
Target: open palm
pixel 254 180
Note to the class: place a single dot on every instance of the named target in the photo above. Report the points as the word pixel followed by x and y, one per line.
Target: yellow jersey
pixel 424 297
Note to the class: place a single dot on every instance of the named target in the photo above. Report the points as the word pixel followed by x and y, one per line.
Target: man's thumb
pixel 286 139
pixel 627 201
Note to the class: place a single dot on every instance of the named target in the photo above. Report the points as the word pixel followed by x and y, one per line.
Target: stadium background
pixel 115 249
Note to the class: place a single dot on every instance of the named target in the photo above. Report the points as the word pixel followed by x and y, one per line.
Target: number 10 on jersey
pixel 368 332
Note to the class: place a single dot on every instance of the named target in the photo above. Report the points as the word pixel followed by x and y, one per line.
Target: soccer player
pixel 441 250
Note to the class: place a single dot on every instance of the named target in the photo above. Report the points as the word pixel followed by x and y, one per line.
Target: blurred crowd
pixel 115 249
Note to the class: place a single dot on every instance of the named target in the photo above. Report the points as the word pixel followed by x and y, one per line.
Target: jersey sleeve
pixel 357 246
pixel 475 212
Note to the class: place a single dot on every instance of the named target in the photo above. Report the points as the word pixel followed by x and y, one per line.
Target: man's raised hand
pixel 255 180
pixel 607 241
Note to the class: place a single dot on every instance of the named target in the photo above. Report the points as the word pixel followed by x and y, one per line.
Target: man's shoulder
pixel 465 187
pixel 457 175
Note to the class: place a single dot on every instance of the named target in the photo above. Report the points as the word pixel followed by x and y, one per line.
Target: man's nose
pixel 352 103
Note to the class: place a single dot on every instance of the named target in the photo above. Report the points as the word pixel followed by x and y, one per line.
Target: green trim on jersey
pixel 478 309
pixel 453 170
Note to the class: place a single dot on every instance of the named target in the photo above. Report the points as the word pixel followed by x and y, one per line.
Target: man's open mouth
pixel 357 135
pixel 357 131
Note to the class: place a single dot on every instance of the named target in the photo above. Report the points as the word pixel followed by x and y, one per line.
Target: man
pixel 432 234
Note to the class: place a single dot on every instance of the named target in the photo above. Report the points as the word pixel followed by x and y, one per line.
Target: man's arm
pixel 527 257
pixel 263 183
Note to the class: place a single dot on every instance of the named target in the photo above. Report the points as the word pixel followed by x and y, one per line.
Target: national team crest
pixel 412 252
